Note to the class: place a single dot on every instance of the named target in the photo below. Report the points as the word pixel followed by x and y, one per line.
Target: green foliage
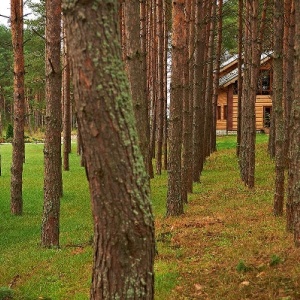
pixel 9 132
pixel 6 293
pixel 6 63
pixel 275 260
pixel 230 26
pixel 242 267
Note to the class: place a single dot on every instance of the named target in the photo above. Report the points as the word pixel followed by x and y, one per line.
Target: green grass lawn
pixel 188 263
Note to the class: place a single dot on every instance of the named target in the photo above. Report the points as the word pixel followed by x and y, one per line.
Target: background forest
pixel 136 85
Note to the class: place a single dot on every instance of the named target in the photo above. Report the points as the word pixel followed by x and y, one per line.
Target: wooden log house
pixel 227 106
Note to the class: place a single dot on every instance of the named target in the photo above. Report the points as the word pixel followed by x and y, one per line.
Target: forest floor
pixel 227 245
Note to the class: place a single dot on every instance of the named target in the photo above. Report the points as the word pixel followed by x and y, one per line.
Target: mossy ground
pixel 227 245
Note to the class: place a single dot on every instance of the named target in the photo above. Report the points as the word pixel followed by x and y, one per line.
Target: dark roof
pixel 233 75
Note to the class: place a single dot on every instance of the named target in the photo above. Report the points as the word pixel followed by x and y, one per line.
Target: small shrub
pixel 275 260
pixel 242 267
pixel 9 132
pixel 6 293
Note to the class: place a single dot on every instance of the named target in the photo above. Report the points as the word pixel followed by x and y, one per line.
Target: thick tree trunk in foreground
pixel 174 197
pixel 52 148
pixel 119 186
pixel 18 151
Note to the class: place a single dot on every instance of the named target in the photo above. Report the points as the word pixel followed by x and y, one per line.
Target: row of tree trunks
pixel 192 122
pixel 254 25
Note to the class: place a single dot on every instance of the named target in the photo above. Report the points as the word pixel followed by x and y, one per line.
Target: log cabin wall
pixel 227 99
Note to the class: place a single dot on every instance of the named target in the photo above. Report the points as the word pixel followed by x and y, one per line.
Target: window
pixel 235 88
pixel 267 116
pixel 264 83
pixel 225 111
pixel 218 112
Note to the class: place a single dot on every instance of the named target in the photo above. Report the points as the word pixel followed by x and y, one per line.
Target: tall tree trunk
pixel 290 96
pixel 198 105
pixel 134 60
pixel 166 65
pixel 123 223
pixel 253 42
pixel 174 199
pixel 240 76
pixel 294 167
pixel 187 113
pixel 217 74
pixel 66 89
pixel 278 106
pixel 187 155
pixel 18 151
pixel 160 83
pixel 151 80
pixel 52 148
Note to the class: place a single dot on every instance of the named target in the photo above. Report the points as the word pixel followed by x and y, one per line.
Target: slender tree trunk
pixel 119 186
pixel 290 68
pixel 187 155
pixel 18 152
pixel 294 167
pixel 52 148
pixel 152 54
pixel 240 76
pixel 216 74
pixel 134 60
pixel 198 107
pixel 174 199
pixel 278 107
pixel 66 110
pixel 186 116
pixel 160 84
pixel 166 52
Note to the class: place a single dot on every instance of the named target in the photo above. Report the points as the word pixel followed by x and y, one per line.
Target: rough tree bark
pixel 278 107
pixel 66 89
pixel 174 199
pixel 240 77
pixel 294 165
pixel 198 106
pixel 160 84
pixel 134 60
pixel 290 96
pixel 52 147
pixel 187 122
pixel 119 186
pixel 18 151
